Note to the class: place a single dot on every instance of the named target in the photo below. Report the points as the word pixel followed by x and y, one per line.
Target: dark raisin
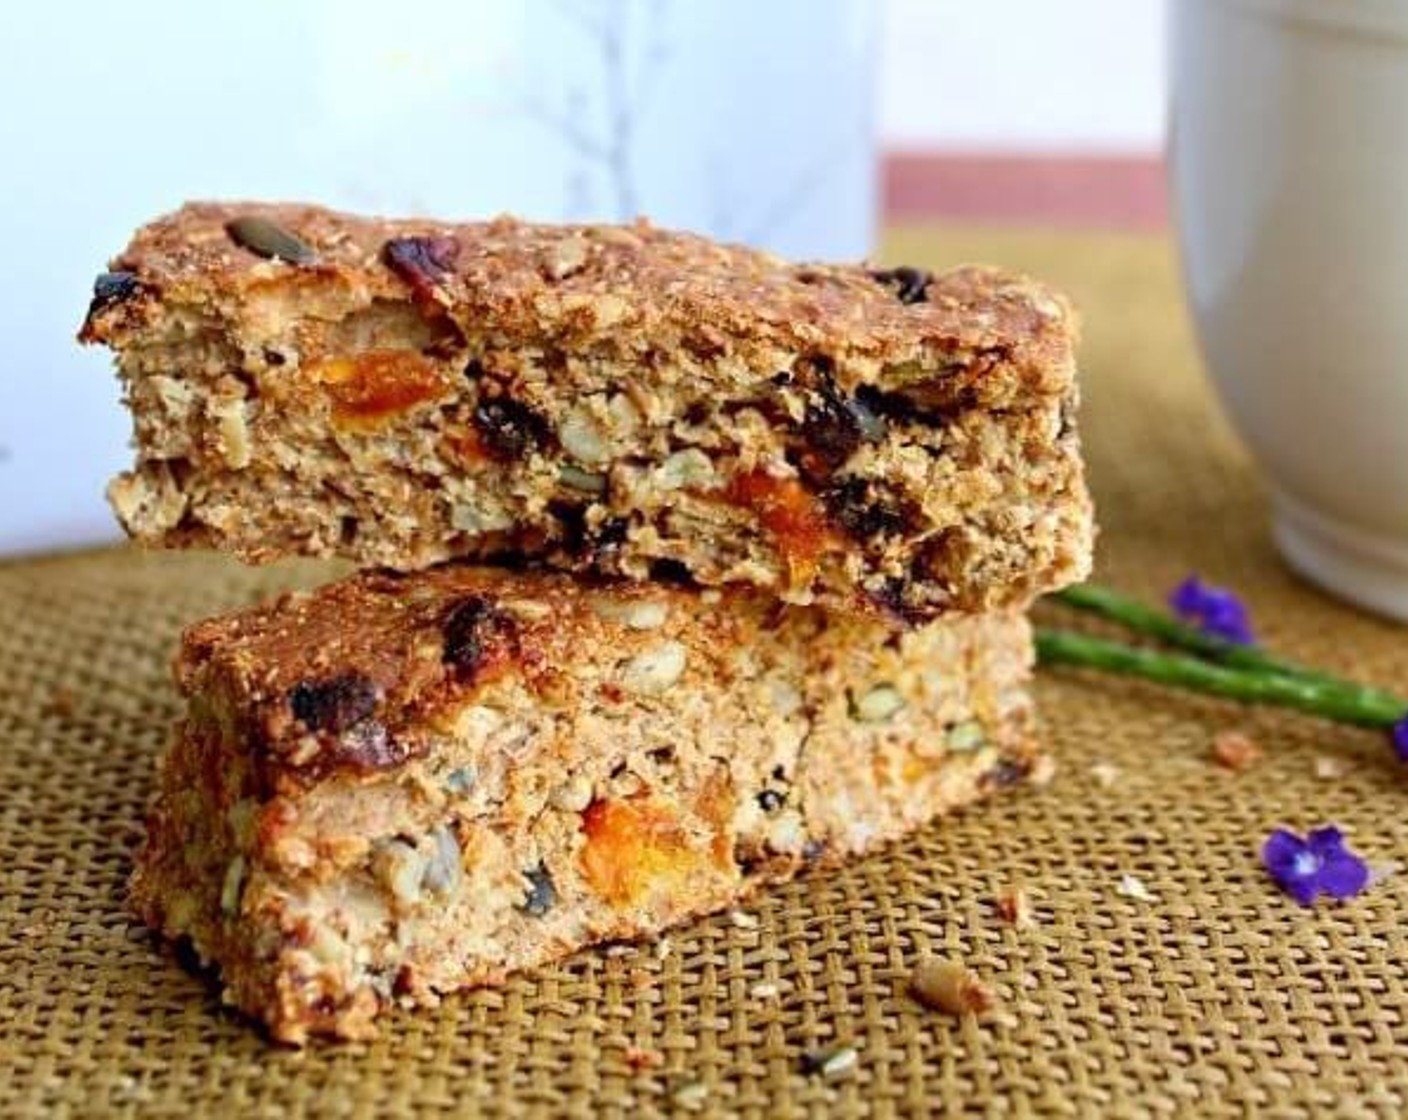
pixel 542 894
pixel 510 428
pixel 900 408
pixel 474 369
pixel 833 425
pixel 471 627
pixel 910 285
pixel 270 240
pixel 573 519
pixel 779 773
pixel 696 413
pixel 863 515
pixel 110 288
pixel 421 262
pixel 188 957
pixel 334 704
pixel 583 541
pixel 829 428
pixel 770 801
pixel 273 357
pixel 892 596
pixel 669 570
pixel 611 534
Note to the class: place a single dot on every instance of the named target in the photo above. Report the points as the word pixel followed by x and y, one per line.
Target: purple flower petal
pixel 1343 875
pixel 1214 610
pixel 1326 842
pixel 1280 852
pixel 1187 597
pixel 1304 891
pixel 1320 863
pixel 1400 737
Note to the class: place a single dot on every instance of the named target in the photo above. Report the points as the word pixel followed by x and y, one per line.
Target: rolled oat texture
pixel 615 400
pixel 397 786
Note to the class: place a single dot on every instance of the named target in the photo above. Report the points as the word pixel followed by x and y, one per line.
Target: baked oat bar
pixel 619 400
pixel 403 785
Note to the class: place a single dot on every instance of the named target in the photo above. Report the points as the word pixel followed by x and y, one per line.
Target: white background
pixel 1023 75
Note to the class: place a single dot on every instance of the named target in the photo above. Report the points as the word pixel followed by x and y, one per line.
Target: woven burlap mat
pixel 1215 996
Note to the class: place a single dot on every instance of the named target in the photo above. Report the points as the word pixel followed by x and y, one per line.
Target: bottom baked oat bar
pixel 398 786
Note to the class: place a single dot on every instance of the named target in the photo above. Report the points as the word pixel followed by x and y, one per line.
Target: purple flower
pixel 1216 611
pixel 1400 737
pixel 1319 864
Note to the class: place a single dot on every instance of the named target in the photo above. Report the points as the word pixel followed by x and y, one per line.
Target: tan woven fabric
pixel 1215 997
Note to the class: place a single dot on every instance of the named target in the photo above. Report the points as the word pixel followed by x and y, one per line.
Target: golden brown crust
pixel 551 280
pixel 604 399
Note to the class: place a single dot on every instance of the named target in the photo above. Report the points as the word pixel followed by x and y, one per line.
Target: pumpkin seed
pixel 270 240
pixel 578 479
pixel 965 736
pixel 878 704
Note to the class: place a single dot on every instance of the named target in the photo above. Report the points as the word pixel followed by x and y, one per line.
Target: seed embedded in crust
pixel 270 240
pixel 232 886
pixel 573 795
pixel 334 704
pixel 878 704
pixel 966 736
pixel 910 285
pixel 443 869
pixel 654 670
pixel 637 614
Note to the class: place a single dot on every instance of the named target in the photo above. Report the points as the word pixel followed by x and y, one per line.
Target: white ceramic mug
pixel 1289 164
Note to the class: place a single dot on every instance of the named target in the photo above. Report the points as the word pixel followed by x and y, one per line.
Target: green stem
pixel 1150 621
pixel 1368 708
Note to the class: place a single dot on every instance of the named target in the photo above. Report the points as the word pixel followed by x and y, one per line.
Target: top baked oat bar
pixel 617 399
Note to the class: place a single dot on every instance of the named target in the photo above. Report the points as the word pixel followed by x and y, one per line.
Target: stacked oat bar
pixel 685 568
